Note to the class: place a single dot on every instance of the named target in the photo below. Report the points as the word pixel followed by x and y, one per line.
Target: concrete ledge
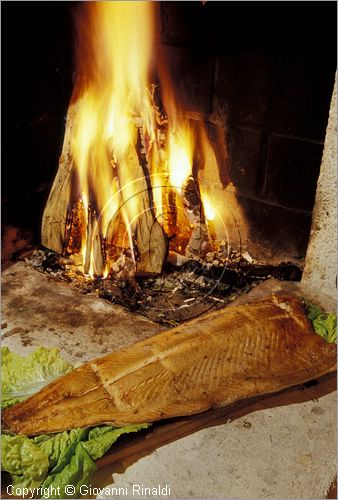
pixel 37 310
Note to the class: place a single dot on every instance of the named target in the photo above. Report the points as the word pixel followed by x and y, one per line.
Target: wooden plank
pixel 165 432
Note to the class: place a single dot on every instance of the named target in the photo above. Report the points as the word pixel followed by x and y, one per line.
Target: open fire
pixel 132 177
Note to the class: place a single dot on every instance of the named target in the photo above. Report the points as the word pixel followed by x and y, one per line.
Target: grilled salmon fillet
pixel 208 362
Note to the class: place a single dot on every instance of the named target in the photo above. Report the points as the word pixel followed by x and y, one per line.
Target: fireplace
pixel 240 116
pixel 256 102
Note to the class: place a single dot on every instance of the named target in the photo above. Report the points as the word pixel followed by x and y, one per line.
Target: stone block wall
pixel 267 85
pixel 320 271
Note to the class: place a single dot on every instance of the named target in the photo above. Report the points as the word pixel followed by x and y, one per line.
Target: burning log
pixel 151 244
pixel 55 234
pixel 193 202
pixel 119 146
pixel 94 260
pixel 55 214
pixel 150 239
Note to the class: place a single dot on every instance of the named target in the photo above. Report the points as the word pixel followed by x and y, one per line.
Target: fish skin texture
pixel 211 361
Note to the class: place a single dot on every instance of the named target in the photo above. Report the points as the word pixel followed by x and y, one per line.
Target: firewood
pixel 55 214
pixel 198 238
pixel 159 161
pixel 151 241
pixel 199 235
pixel 150 238
pixel 177 259
pixel 94 260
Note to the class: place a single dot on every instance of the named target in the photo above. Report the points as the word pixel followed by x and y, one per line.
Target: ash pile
pixel 186 288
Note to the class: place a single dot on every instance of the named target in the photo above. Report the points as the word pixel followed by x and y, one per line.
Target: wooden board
pixel 165 432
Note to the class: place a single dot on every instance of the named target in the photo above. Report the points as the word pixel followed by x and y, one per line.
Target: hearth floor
pixel 283 446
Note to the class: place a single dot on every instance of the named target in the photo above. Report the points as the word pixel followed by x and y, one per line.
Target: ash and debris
pixel 183 291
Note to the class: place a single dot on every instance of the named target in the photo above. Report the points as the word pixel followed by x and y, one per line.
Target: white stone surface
pixel 38 309
pixel 321 258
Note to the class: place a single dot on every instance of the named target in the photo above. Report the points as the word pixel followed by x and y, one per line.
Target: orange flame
pixel 114 52
pixel 180 155
pixel 115 48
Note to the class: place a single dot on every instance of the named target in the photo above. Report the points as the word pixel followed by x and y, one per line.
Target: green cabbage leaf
pixel 22 376
pixel 324 324
pixel 46 464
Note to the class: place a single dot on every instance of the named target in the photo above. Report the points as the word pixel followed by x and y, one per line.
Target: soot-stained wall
pixel 264 73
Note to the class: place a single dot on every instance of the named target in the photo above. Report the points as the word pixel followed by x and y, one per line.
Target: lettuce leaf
pixel 77 462
pixel 22 376
pixel 77 473
pixel 49 462
pixel 25 461
pixel 101 438
pixel 58 447
pixel 324 324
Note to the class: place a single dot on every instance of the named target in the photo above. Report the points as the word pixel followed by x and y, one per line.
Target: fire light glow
pixel 115 111
pixel 209 209
pixel 180 157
